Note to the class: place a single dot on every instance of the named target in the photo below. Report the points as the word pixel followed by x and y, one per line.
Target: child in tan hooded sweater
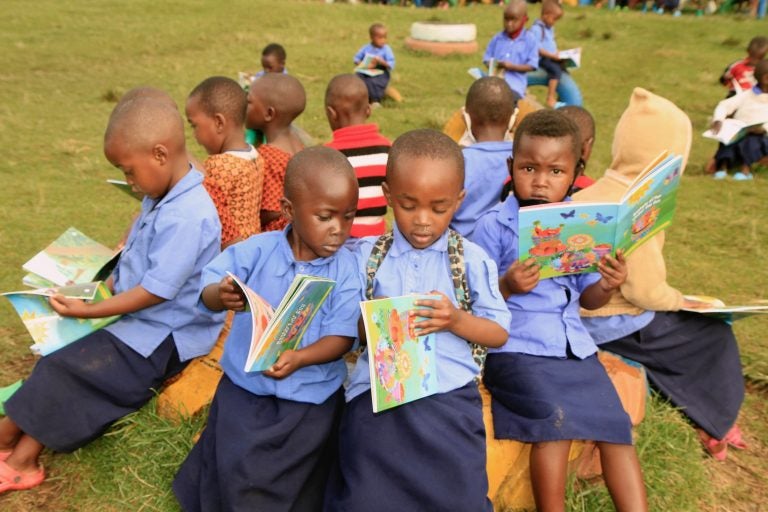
pixel 693 360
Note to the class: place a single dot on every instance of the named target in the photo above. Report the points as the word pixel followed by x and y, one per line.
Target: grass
pixel 64 64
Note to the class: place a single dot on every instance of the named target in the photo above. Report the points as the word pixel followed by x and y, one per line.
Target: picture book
pixel 570 58
pixel 48 330
pixel 731 130
pixel 71 258
pixel 281 329
pixel 402 365
pixel 478 73
pixel 364 66
pixel 125 188
pixel 571 237
pixel 712 306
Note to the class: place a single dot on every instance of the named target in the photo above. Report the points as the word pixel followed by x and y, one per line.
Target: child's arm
pixel 614 273
pixel 549 55
pixel 223 295
pixel 324 350
pixel 519 278
pixel 511 66
pixel 444 316
pixel 129 301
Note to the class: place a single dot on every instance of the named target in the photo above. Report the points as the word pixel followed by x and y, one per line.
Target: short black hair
pixel 373 28
pixel 274 49
pixel 551 124
pixel 550 6
pixel 221 95
pixel 758 44
pixel 310 167
pixel 425 143
pixel 491 100
pixel 582 118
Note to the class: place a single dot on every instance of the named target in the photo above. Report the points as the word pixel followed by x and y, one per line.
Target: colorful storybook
pixel 731 130
pixel 364 66
pixel 281 329
pixel 50 331
pixel 571 237
pixel 402 365
pixel 712 306
pixel 570 58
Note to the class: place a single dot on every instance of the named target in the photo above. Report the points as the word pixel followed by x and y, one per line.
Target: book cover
pixel 48 330
pixel 364 66
pixel 570 58
pixel 731 131
pixel 125 188
pixel 402 365
pixel 571 237
pixel 715 307
pixel 281 329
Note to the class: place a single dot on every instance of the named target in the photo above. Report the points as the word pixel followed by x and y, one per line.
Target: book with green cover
pixel 364 66
pixel 402 365
pixel 570 58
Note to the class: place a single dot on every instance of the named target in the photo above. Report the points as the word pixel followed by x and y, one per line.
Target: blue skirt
pixel 426 455
pixel 260 453
pixel 74 394
pixel 376 85
pixel 747 151
pixel 538 399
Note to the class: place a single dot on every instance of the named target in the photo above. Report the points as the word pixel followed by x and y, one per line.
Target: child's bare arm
pixel 129 301
pixel 223 295
pixel 324 350
pixel 442 315
pixel 520 68
pixel 614 273
pixel 519 278
pixel 549 55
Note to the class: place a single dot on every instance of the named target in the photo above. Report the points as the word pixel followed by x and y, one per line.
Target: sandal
pixel 733 438
pixel 718 449
pixel 14 480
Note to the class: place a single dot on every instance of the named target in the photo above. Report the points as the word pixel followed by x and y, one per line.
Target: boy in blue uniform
pixel 490 106
pixel 269 433
pixel 543 32
pixel 383 60
pixel 428 454
pixel 546 383
pixel 114 371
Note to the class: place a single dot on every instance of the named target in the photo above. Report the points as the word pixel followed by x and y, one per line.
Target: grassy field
pixel 64 64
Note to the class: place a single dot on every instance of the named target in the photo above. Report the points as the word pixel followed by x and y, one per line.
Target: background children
pixel 514 49
pixel 383 59
pixel 347 109
pixel 274 101
pixel 273 58
pixel 543 32
pixel 739 76
pixel 265 446
pixel 414 456
pixel 586 124
pixel 546 383
pixel 234 173
pixel 490 105
pixel 693 360
pixel 114 371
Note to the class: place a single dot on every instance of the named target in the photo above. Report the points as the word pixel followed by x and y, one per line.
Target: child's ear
pixel 461 197
pixel 331 114
pixel 387 193
pixel 160 153
pixel 586 149
pixel 219 121
pixel 270 114
pixel 286 208
pixel 368 111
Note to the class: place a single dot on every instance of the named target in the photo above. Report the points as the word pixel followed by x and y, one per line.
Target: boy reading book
pixel 375 61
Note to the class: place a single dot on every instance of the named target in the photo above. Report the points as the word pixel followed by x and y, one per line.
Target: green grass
pixel 64 64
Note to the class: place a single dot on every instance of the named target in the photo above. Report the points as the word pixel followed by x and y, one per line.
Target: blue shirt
pixel 406 270
pixel 485 170
pixel 266 264
pixel 169 244
pixel 610 328
pixel 544 36
pixel 385 52
pixel 521 50
pixel 546 319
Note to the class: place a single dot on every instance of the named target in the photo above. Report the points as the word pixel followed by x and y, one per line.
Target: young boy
pixel 428 454
pixel 76 393
pixel 490 105
pixel 273 58
pixel 546 383
pixel 234 173
pixel 383 59
pixel 347 109
pixel 543 32
pixel 514 49
pixel 586 124
pixel 274 101
pixel 266 444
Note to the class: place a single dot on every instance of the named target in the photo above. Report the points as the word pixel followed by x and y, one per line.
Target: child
pixel 274 101
pixel 514 49
pixel 76 393
pixel 586 124
pixel 490 105
pixel 347 109
pixel 234 173
pixel 751 107
pixel 739 76
pixel 546 383
pixel 266 444
pixel 428 454
pixel 272 60
pixel 543 32
pixel 383 59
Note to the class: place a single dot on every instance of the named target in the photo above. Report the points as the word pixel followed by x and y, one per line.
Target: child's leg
pixel 24 456
pixel 552 92
pixel 549 470
pixel 623 477
pixel 9 434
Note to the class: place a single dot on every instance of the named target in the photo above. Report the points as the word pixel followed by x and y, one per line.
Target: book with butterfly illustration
pixel 570 237
pixel 402 365
pixel 364 66
pixel 276 330
pixel 48 330
pixel 715 307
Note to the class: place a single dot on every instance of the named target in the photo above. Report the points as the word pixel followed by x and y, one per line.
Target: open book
pixel 732 130
pixel 364 66
pixel 570 58
pixel 50 331
pixel 571 237
pixel 125 188
pixel 712 306
pixel 493 70
pixel 281 329
pixel 402 365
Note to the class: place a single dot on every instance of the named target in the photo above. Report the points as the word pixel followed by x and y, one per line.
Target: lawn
pixel 64 64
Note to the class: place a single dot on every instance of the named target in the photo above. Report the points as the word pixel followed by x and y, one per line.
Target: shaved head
pixel 316 169
pixel 425 143
pixel 347 93
pixel 282 92
pixel 148 92
pixel 143 121
pixel 516 7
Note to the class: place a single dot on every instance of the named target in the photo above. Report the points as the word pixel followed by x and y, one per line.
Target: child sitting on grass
pixel 428 454
pixel 740 75
pixel 381 59
pixel 267 442
pixel 273 58
pixel 274 101
pixel 347 110
pixel 546 383
pixel 234 173
pixel 74 394
pixel 543 32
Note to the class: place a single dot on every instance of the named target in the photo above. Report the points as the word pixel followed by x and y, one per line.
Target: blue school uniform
pixel 115 370
pixel 382 464
pixel 545 37
pixel 485 171
pixel 376 85
pixel 546 382
pixel 267 442
pixel 521 50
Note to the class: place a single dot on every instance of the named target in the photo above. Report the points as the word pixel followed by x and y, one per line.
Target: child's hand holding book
pixel 520 277
pixel 613 271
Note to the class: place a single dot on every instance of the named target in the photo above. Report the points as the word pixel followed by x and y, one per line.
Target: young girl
pixel 546 383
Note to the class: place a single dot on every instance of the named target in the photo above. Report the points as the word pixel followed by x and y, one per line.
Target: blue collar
pixel 287 260
pixel 401 245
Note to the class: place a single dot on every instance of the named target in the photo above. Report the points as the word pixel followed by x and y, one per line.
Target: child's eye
pixel 349 216
pixel 557 171
pixel 407 207
pixel 439 211
pixel 323 218
pixel 527 169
